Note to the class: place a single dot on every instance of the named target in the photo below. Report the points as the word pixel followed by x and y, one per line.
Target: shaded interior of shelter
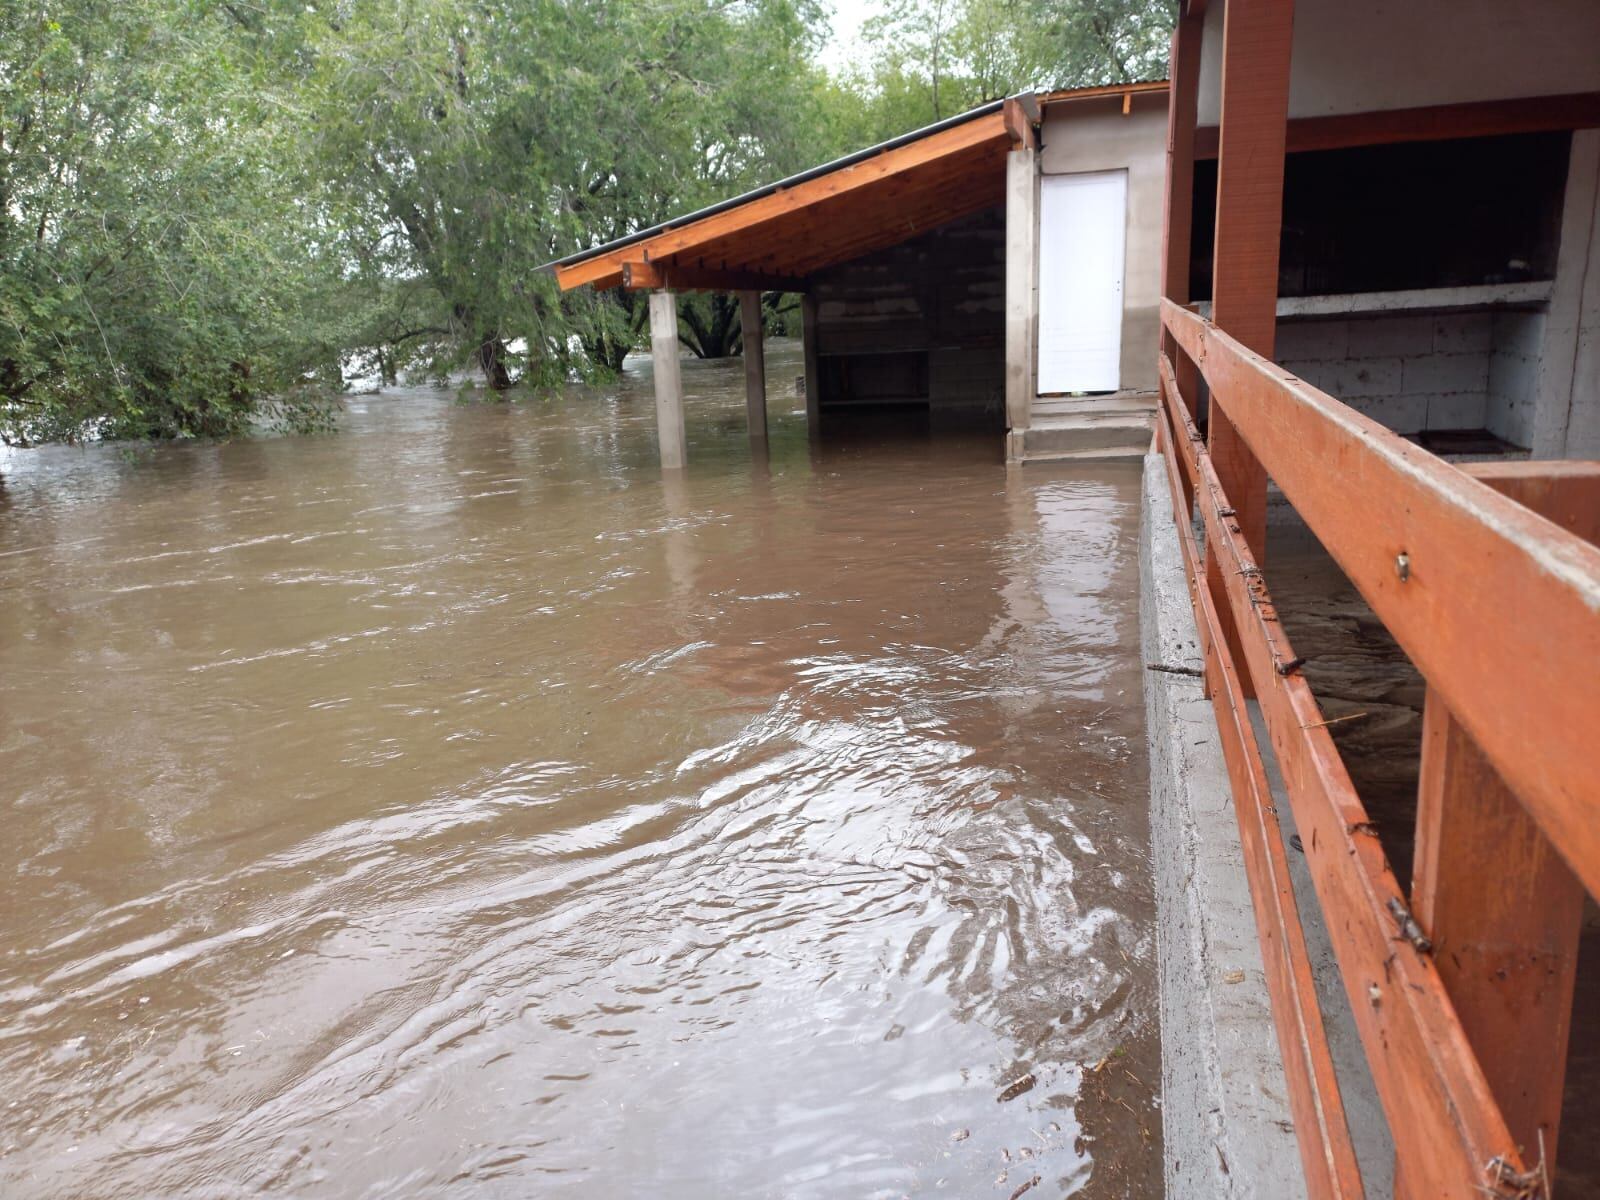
pixel 915 333
pixel 1413 280
pixel 1372 696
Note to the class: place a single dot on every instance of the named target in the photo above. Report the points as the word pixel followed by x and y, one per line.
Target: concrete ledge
pixel 1225 1110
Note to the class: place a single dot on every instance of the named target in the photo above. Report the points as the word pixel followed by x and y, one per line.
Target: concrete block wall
pixel 1514 376
pixel 941 295
pixel 1422 371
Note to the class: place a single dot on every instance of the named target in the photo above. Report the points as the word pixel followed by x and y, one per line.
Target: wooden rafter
pixel 1109 91
pixel 638 276
pixel 767 218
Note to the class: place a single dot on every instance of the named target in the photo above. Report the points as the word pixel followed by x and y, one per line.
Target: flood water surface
pixel 453 807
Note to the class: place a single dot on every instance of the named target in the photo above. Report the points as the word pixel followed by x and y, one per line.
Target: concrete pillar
pixel 1022 256
pixel 1566 415
pixel 669 383
pixel 808 333
pixel 755 365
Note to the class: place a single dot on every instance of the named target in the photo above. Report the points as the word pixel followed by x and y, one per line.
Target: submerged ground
pixel 451 807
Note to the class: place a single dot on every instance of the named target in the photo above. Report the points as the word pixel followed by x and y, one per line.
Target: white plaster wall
pixel 1079 137
pixel 1374 55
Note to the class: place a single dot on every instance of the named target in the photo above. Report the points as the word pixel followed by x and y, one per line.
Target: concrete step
pixel 1097 431
pixel 1130 452
pixel 1121 403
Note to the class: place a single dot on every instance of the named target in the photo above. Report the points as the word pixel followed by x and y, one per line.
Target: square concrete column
pixel 1022 256
pixel 808 335
pixel 669 383
pixel 755 365
pixel 1565 422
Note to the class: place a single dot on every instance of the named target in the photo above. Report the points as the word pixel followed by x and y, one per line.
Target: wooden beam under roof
pixel 1021 115
pixel 1431 123
pixel 856 178
pixel 1106 92
pixel 690 277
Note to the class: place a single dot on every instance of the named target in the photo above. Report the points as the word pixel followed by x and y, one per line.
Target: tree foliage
pixel 159 275
pixel 210 209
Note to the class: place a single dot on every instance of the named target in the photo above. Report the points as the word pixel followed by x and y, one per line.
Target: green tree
pixel 474 140
pixel 159 275
pixel 935 60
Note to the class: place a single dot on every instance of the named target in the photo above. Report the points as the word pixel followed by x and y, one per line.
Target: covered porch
pixel 919 201
pixel 917 262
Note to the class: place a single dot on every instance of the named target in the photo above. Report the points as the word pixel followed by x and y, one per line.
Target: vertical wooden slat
pixel 1256 44
pixel 1178 219
pixel 1504 913
pixel 1503 909
pixel 1495 604
pixel 1442 560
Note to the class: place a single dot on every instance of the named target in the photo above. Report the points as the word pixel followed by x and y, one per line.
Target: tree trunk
pixel 712 323
pixel 492 361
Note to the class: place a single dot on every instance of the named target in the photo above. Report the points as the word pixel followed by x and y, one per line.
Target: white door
pixel 1082 224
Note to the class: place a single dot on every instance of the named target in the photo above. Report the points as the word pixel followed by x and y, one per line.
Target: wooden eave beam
pixel 840 230
pixel 910 222
pixel 640 276
pixel 1021 120
pixel 1432 123
pixel 603 270
pixel 1107 92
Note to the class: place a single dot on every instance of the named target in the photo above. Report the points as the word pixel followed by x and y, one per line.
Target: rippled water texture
pixel 450 807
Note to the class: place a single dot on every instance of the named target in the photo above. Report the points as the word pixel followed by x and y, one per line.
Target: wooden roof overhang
pixel 1122 92
pixel 773 238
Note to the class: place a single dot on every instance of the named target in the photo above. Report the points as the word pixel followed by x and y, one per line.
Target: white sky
pixel 845 45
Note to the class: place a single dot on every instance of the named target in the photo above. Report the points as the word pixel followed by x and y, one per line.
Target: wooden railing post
pixel 1503 910
pixel 1178 217
pixel 1496 606
pixel 1256 42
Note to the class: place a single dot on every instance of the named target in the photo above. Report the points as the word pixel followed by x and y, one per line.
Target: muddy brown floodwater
pixel 450 807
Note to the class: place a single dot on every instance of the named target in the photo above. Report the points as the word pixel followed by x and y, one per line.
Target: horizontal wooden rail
pixel 1323 1133
pixel 1489 600
pixel 1373 498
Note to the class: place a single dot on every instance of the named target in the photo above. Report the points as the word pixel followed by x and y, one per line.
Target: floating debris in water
pixel 1026 1187
pixel 961 1135
pixel 1016 1087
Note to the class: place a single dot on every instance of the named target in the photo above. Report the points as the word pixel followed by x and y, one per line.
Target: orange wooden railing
pixel 1462 991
